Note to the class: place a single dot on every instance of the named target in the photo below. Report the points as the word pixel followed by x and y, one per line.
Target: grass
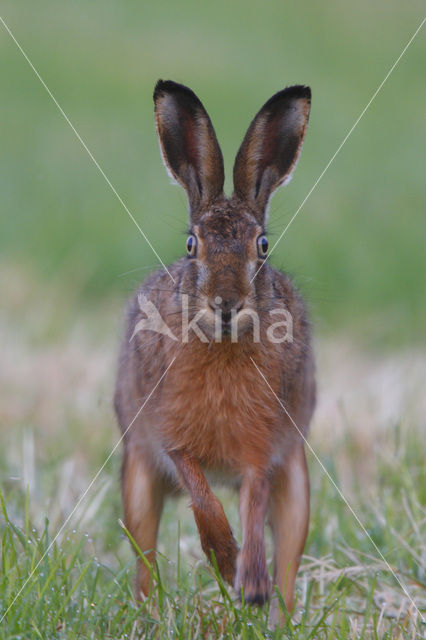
pixel 58 429
pixel 81 586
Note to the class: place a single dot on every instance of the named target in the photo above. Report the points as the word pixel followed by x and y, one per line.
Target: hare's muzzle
pixel 226 307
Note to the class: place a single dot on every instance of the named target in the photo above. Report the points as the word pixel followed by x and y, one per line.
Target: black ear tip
pixel 305 91
pixel 298 91
pixel 295 92
pixel 161 87
pixel 168 86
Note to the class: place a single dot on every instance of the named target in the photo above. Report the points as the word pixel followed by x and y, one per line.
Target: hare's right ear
pixel 188 144
pixel 271 147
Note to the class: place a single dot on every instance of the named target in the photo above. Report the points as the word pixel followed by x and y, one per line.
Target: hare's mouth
pixel 226 327
pixel 233 324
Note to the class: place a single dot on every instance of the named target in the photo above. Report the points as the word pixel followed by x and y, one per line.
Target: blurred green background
pixel 356 248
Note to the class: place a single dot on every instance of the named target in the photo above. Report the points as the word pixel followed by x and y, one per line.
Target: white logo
pixel 276 332
pixel 153 320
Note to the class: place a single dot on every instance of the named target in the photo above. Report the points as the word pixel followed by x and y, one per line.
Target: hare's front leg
pixel 289 522
pixel 143 496
pixel 252 573
pixel 213 526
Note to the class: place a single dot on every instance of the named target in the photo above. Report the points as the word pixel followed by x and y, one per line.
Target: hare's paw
pixel 216 536
pixel 253 578
pixel 226 558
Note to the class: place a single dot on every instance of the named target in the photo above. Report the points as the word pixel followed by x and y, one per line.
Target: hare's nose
pixel 226 305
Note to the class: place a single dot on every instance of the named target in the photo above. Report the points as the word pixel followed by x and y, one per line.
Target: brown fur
pixel 252 573
pixel 143 503
pixel 212 412
pixel 214 529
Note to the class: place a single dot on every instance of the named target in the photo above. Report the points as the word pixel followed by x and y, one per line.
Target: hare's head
pixel 226 241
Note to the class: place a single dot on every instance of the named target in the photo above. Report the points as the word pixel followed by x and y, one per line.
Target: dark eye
pixel 191 246
pixel 262 246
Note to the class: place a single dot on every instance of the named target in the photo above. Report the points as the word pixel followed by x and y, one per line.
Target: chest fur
pixel 219 408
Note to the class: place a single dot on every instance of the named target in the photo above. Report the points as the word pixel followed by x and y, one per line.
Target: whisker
pixel 126 273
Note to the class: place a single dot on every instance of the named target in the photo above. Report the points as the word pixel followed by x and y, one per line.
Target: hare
pixel 232 395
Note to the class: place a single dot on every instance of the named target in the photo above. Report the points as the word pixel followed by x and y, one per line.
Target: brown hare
pixel 231 394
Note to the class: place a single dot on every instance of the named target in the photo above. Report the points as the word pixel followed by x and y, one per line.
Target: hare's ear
pixel 271 147
pixel 188 144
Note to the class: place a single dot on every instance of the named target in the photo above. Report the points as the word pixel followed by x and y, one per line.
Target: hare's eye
pixel 191 246
pixel 262 246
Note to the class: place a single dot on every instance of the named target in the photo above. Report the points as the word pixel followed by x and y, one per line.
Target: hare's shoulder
pixel 158 289
pixel 146 351
pixel 298 360
pixel 298 350
pixel 286 294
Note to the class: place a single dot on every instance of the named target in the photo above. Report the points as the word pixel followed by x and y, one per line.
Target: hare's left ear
pixel 189 145
pixel 271 147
